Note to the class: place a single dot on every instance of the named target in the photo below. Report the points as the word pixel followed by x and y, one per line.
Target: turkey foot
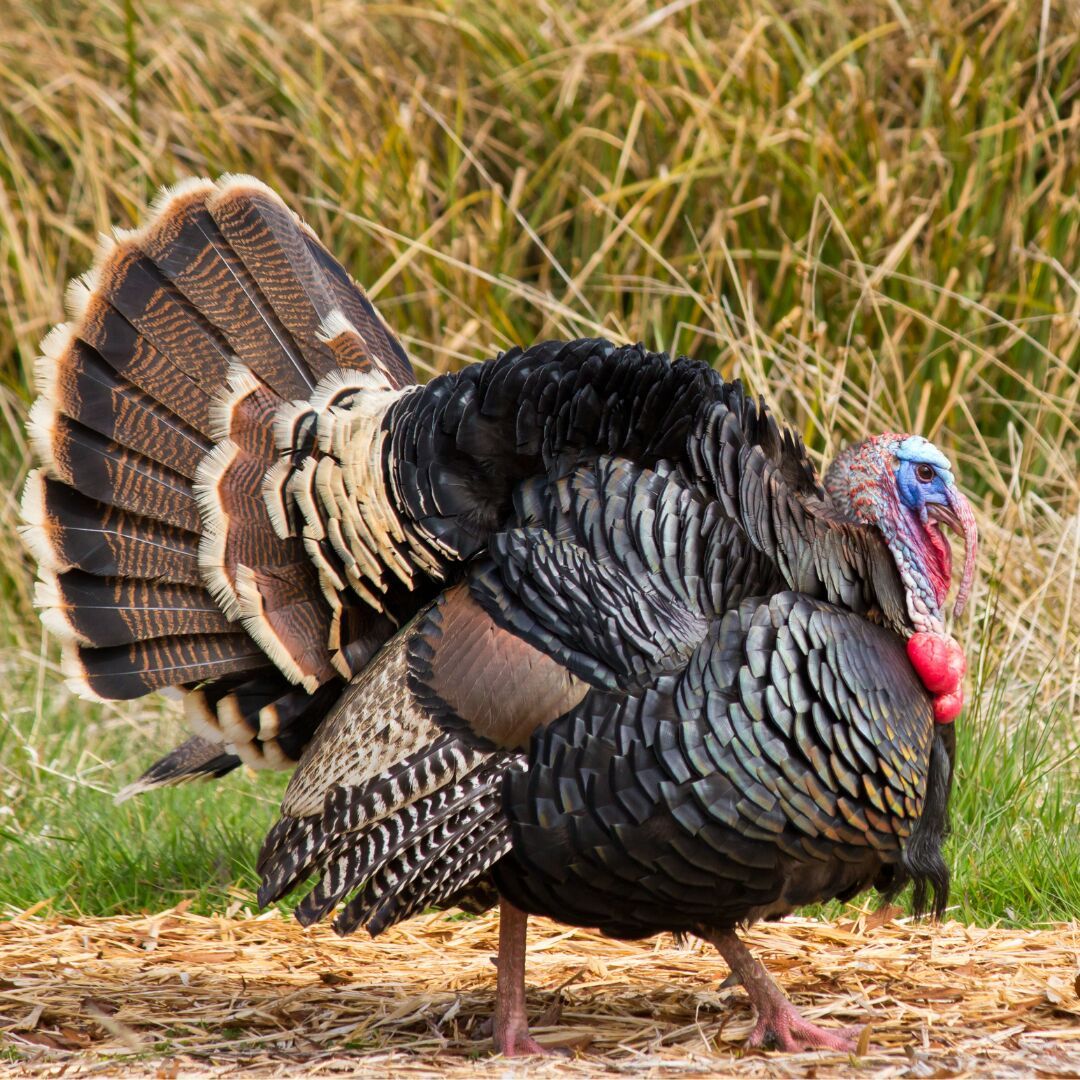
pixel 510 1025
pixel 788 1030
pixel 779 1023
pixel 513 1040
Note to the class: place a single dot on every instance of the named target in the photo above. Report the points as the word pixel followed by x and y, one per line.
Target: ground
pixel 176 994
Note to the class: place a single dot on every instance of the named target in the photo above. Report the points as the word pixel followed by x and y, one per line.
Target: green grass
pixel 866 209
pixel 65 841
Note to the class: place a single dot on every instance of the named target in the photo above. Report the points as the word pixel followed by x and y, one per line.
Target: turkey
pixel 577 631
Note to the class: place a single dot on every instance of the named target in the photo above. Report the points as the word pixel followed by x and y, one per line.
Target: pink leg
pixel 778 1020
pixel 511 1023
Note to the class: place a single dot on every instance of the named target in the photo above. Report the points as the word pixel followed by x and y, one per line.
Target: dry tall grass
pixel 867 209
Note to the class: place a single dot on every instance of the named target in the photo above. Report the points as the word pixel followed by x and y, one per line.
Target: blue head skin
pixel 924 475
pixel 904 485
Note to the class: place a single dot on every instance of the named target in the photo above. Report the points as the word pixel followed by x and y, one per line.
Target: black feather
pixel 922 863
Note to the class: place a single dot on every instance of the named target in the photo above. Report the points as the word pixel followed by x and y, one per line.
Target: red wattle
pixel 940 664
pixel 947 707
pixel 938 661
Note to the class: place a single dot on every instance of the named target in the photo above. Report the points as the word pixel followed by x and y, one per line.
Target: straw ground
pixel 177 994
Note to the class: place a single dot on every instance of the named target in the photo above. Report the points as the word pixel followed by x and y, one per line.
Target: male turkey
pixel 577 629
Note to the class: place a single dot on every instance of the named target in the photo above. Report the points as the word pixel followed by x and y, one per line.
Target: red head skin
pixel 904 486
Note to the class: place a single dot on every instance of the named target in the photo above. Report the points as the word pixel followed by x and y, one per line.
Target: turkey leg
pixel 778 1022
pixel 511 1023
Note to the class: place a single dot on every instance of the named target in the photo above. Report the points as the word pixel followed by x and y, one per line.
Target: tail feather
pixel 258 722
pixel 83 387
pixel 150 333
pixel 263 720
pixel 345 342
pixel 110 473
pixel 121 672
pixel 245 414
pixel 236 530
pixel 284 611
pixel 262 232
pixel 120 611
pixel 155 426
pixel 186 245
pixel 65 530
pixel 196 759
pixel 380 346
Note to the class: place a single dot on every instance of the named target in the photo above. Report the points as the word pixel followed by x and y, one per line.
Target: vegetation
pixel 867 209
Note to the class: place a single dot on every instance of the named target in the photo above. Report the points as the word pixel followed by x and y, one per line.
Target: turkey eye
pixel 925 473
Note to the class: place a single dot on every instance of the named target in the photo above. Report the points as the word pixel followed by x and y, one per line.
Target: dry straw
pixel 179 994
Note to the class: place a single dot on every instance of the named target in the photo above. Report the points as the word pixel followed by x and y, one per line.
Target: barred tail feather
pixel 65 530
pixel 121 672
pixel 159 562
pixel 196 759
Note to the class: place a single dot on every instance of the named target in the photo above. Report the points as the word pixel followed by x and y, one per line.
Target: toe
pixel 792 1034
pixel 811 1037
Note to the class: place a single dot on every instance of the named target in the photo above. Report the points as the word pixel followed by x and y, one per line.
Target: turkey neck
pixel 924 561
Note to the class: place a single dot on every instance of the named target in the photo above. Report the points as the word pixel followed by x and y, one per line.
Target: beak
pixel 958 516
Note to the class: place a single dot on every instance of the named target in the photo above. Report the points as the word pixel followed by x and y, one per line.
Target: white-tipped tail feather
pixel 215 527
pixel 240 384
pixel 33 530
pixel 258 625
pixel 335 325
pixel 54 613
pixel 40 426
pixel 75 675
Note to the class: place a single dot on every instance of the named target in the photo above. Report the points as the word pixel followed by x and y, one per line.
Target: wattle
pixel 938 562
pixel 941 665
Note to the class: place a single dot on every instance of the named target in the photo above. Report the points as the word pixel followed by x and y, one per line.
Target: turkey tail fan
pixel 159 563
